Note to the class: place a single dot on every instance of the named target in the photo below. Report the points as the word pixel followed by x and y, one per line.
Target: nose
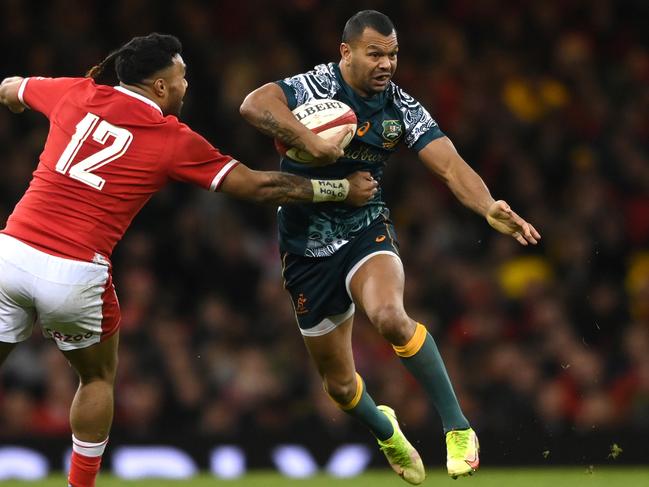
pixel 384 63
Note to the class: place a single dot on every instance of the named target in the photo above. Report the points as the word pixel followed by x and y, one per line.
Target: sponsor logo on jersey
pixel 392 131
pixel 300 303
pixel 365 153
pixel 62 337
pixel 362 129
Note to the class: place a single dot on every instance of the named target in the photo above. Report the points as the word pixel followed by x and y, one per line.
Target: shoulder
pixel 61 84
pixel 177 129
pixel 402 100
pixel 183 135
pixel 320 82
pixel 416 119
pixel 325 74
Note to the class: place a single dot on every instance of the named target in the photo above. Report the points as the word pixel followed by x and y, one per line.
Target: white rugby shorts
pixel 73 301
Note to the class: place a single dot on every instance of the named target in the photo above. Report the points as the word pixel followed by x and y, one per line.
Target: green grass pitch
pixel 591 476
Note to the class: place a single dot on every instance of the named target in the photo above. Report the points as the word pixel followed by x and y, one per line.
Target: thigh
pixel 98 361
pixel 332 353
pixel 17 312
pixel 82 309
pixel 374 273
pixel 378 282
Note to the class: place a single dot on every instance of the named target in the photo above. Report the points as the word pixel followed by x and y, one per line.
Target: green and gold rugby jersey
pixel 384 121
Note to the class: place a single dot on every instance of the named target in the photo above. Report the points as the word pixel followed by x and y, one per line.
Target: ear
pixel 159 87
pixel 346 53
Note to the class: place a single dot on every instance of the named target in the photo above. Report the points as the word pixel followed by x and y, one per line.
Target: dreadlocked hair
pixel 139 58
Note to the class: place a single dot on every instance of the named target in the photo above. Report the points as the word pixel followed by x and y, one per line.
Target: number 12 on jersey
pixel 100 130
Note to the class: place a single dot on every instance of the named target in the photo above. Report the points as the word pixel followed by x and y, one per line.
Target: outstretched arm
pixel 441 157
pixel 9 94
pixel 282 188
pixel 266 108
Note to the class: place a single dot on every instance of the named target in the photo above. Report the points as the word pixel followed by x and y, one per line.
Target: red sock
pixel 84 468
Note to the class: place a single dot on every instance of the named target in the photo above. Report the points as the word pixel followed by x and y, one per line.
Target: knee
pixel 393 323
pixel 104 373
pixel 341 390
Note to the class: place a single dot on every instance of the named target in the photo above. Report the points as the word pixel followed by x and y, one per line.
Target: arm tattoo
pixel 270 126
pixel 284 188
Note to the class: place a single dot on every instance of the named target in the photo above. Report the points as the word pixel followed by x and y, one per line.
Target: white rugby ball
pixel 327 118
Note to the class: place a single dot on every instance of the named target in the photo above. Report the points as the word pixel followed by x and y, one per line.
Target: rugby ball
pixel 327 118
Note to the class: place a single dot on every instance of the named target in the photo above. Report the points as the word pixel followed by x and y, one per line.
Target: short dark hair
pixel 358 22
pixel 140 57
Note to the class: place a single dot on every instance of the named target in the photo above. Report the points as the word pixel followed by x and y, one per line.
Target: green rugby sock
pixel 363 408
pixel 421 357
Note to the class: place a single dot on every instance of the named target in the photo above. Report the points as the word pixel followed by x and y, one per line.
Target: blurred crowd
pixel 548 101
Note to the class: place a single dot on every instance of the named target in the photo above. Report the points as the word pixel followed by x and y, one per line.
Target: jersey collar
pixel 128 92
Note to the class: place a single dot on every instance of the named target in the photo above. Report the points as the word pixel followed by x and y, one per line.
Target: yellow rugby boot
pixel 462 449
pixel 401 455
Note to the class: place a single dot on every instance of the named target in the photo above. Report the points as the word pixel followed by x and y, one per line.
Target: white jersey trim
pixel 21 92
pixel 128 92
pixel 358 265
pixel 88 449
pixel 216 182
pixel 329 324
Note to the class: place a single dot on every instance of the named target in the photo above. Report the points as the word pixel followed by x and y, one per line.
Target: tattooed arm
pixel 281 188
pixel 267 109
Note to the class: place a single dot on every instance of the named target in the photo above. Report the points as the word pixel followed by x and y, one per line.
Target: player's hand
pixel 8 89
pixel 362 188
pixel 326 151
pixel 501 217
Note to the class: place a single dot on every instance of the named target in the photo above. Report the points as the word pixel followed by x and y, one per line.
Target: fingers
pixel 507 221
pixel 340 138
pixel 367 175
pixel 536 234
pixel 519 238
pixel 526 233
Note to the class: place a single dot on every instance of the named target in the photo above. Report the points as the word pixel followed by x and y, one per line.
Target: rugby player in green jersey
pixel 337 257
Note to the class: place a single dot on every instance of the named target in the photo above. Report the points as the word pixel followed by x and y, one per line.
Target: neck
pixel 143 94
pixel 141 90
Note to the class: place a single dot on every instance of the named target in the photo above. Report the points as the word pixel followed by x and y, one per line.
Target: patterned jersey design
pixel 384 121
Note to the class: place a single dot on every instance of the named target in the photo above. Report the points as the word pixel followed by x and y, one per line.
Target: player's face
pixel 371 60
pixel 176 84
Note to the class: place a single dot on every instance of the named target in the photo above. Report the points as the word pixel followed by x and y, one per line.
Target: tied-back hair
pixel 372 19
pixel 139 58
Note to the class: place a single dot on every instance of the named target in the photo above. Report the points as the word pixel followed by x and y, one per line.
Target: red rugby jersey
pixel 108 150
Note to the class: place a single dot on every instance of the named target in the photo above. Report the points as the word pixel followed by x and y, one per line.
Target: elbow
pixel 248 107
pixel 261 100
pixel 4 99
pixel 245 109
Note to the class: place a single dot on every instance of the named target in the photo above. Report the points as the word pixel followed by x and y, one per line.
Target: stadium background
pixel 547 346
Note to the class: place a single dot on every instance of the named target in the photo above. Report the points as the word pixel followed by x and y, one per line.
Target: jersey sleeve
pixel 316 84
pixel 196 161
pixel 420 126
pixel 43 94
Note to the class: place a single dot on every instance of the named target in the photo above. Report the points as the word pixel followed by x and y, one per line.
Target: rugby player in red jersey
pixel 109 149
